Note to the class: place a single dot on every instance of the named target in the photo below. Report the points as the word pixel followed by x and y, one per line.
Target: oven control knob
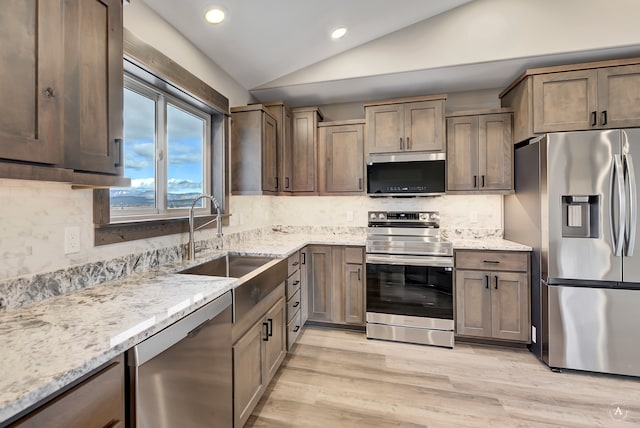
pixel 373 216
pixel 381 216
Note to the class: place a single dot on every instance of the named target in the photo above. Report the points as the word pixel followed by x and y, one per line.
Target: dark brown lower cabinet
pixel 97 401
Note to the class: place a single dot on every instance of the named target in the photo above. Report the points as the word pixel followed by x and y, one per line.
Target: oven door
pixel 417 286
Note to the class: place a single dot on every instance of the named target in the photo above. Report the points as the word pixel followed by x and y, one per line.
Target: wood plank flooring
pixel 338 378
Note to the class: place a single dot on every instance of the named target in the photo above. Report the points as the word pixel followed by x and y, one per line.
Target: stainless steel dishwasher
pixel 182 375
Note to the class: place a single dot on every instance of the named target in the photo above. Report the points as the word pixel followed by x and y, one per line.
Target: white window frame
pixel 161 211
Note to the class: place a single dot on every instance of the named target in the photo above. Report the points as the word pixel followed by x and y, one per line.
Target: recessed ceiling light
pixel 338 33
pixel 214 16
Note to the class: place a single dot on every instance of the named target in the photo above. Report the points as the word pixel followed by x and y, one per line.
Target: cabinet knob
pixel 296 304
pixel 49 93
pixel 295 330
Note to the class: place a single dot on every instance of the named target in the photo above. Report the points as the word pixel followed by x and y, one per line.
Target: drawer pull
pixel 296 329
pixel 295 264
pixel 296 282
pixel 493 262
pixel 296 304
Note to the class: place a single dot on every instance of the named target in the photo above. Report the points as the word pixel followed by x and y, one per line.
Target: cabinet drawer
pixel 294 262
pixel 96 402
pixel 293 305
pixel 353 255
pixel 493 260
pixel 293 284
pixel 293 329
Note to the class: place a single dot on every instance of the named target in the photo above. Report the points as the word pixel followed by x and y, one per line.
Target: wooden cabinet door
pixel 286 156
pixel 565 101
pixel 249 378
pixel 619 96
pixel 320 283
pixel 304 285
pixel 93 99
pixel 303 176
pixel 276 347
pixel 510 306
pixel 353 294
pixel 269 154
pixel 341 161
pixel 424 126
pixel 473 303
pixel 462 153
pixel 385 128
pixel 495 152
pixel 31 81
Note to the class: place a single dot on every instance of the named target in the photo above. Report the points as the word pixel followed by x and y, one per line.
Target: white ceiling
pixel 281 49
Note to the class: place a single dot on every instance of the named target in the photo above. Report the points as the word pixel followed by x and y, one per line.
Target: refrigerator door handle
pixel 622 208
pixel 631 229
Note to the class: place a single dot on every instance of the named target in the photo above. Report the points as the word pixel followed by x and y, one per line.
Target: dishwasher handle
pixel 185 327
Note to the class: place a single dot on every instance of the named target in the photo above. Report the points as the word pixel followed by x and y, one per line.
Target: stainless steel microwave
pixel 406 174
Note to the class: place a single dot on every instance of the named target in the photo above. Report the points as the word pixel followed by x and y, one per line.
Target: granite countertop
pixel 49 344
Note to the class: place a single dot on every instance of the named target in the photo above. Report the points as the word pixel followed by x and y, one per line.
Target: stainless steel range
pixel 409 279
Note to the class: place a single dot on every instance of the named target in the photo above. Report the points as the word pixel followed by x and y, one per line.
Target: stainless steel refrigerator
pixel 575 203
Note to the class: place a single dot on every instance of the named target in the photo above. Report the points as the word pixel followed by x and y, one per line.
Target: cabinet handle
pixel 296 282
pixel 112 423
pixel 276 178
pixel 270 321
pixel 118 142
pixel 594 118
pixel 286 182
pixel 295 330
pixel 296 304
pixel 265 331
pixel 493 262
pixel 359 183
pixel 475 181
pixel 401 144
pixel 304 258
pixel 295 263
pixel 604 117
pixel 496 279
pixel 483 181
pixel 49 92
pixel 486 281
pixel 358 274
pixel 408 143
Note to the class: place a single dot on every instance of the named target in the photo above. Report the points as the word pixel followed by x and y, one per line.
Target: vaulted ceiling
pixel 281 49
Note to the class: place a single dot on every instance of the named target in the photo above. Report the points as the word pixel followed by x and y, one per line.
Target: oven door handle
pixel 431 261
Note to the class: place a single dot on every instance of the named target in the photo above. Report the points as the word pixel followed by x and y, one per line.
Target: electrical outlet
pixel 533 334
pixel 71 239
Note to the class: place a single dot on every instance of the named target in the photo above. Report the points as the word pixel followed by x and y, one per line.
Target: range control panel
pixel 402 218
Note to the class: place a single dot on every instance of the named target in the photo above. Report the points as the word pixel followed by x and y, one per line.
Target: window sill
pixel 116 233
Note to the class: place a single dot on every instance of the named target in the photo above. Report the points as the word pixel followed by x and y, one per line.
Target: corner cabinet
pixel 304 150
pixel 254 163
pixel 596 95
pixel 336 285
pixel 480 152
pixel 341 157
pixel 63 69
pixel 284 143
pixel 405 125
pixel 493 295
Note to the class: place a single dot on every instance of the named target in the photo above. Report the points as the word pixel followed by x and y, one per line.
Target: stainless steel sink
pixel 231 265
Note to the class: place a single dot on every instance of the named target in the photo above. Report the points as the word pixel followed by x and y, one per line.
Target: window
pixel 167 155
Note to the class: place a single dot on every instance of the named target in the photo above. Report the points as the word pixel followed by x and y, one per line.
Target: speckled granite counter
pixel 51 343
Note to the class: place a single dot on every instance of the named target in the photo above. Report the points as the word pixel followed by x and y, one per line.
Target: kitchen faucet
pixel 216 205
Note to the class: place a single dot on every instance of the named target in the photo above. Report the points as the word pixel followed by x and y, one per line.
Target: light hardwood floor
pixel 336 378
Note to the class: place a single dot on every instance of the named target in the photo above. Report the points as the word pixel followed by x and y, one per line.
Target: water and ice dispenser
pixel 580 216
